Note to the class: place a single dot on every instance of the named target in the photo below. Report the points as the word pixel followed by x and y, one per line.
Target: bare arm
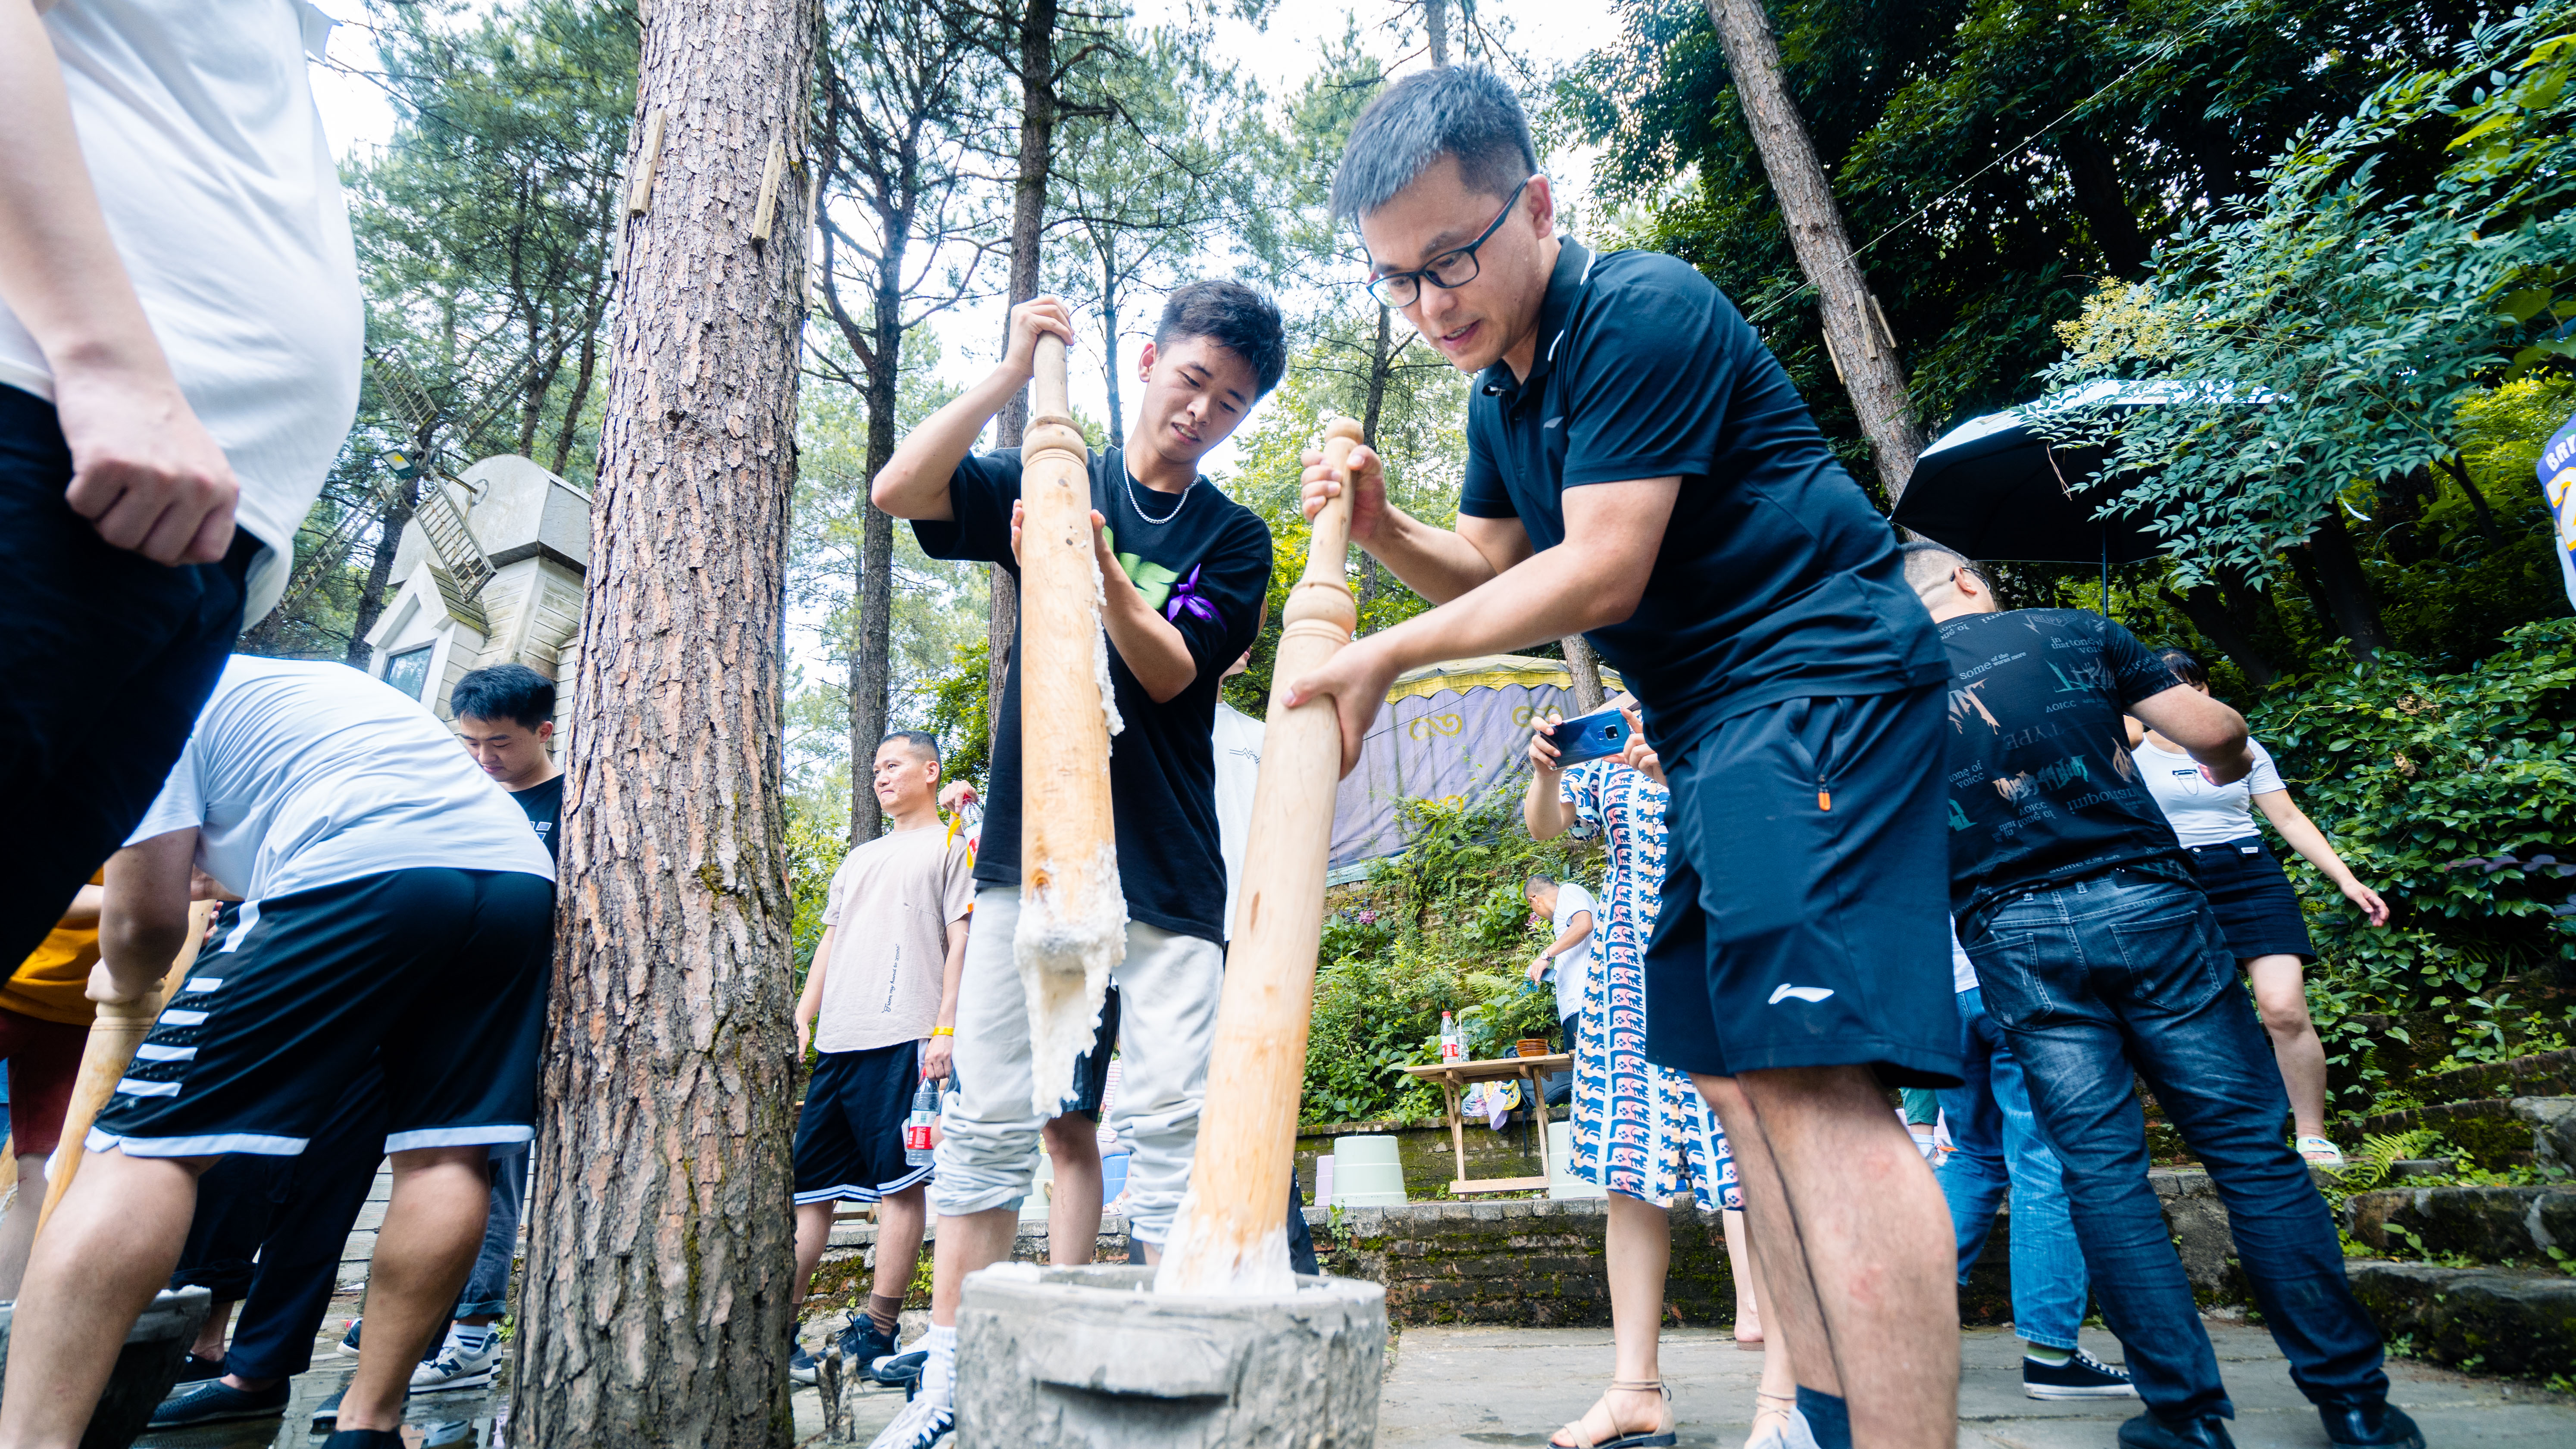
pixel 1434 562
pixel 143 922
pixel 1543 806
pixel 145 473
pixel 810 1000
pixel 914 482
pixel 941 1057
pixel 1593 579
pixel 1577 931
pixel 2309 841
pixel 2208 731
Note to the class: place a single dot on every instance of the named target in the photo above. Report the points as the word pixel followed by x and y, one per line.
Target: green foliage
pixel 2326 332
pixel 961 714
pixel 1443 927
pixel 2454 796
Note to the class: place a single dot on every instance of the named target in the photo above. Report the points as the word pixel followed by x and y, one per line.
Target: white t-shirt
pixel 2202 813
pixel 1573 965
pixel 211 166
pixel 302 775
pixel 889 909
pixel 1963 972
pixel 1238 766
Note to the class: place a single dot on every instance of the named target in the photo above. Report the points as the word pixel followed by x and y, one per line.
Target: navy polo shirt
pixel 1776 578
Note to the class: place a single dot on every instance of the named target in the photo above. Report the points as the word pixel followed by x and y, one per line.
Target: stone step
pixel 2488 1320
pixel 2542 1074
pixel 2495 1133
pixel 2515 1225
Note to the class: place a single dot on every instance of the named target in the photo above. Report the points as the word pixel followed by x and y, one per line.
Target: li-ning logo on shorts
pixel 1808 994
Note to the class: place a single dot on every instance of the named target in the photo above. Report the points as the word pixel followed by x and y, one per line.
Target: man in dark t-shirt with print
pixel 1184 571
pixel 2099 956
pixel 1639 468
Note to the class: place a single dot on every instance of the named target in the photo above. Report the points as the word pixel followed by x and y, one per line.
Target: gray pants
pixel 988 1148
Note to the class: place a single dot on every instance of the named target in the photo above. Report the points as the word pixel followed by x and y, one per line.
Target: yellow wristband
pixel 943 1031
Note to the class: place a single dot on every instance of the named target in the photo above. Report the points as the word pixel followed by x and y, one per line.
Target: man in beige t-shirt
pixel 880 1006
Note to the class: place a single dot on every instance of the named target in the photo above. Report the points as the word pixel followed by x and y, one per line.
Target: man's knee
pixel 1071 1136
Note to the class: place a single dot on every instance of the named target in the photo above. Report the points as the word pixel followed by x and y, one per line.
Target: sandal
pixel 1779 1412
pixel 1572 1435
pixel 2321 1152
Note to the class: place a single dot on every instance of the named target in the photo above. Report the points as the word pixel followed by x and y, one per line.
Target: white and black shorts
pixel 849 1136
pixel 439 975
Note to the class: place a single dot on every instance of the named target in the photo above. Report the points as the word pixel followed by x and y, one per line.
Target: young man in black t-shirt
pixel 2098 955
pixel 1639 468
pixel 1185 570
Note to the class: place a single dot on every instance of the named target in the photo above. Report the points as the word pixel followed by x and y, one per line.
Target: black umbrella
pixel 1995 488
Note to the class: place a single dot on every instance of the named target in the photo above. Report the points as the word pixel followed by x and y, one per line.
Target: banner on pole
pixel 2557 469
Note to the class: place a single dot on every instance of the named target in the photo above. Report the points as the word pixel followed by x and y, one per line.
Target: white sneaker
pixel 458 1365
pixel 923 1423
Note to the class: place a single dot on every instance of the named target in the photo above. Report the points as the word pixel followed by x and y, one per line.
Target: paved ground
pixel 1457 1387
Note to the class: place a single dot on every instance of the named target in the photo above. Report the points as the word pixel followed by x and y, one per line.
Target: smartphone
pixel 1590 737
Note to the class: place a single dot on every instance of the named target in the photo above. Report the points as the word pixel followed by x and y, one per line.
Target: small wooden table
pixel 1454 1078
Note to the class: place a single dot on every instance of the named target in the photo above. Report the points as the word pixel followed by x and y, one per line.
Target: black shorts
pixel 108 657
pixel 1091 1069
pixel 437 975
pixel 849 1137
pixel 2252 895
pixel 1806 897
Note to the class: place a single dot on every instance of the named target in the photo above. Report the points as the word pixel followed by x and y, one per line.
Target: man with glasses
pixel 1640 469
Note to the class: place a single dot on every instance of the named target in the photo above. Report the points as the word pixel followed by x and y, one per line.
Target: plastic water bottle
pixel 1453 1047
pixel 916 1128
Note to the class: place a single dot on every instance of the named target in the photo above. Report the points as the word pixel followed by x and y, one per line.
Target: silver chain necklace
pixel 1140 508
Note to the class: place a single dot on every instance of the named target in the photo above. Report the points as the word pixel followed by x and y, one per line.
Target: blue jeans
pixel 1996 1143
pixel 2128 971
pixel 487 1290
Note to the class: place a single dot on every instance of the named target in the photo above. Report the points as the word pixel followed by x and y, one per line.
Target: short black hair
pixel 505 691
pixel 1465 112
pixel 1239 318
pixel 1927 562
pixel 2183 667
pixel 1539 880
pixel 920 740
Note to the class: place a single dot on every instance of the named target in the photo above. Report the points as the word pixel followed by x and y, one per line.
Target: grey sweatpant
pixel 988 1148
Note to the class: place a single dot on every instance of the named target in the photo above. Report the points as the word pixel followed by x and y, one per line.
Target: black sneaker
pixel 364 1439
pixel 349 1340
pixel 862 1343
pixel 2149 1432
pixel 2370 1426
pixel 217 1402
pixel 2082 1376
pixel 898 1370
pixel 326 1414
pixel 801 1366
pixel 195 1370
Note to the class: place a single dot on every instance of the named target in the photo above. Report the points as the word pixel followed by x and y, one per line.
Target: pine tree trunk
pixel 1028 223
pixel 871 662
pixel 1855 329
pixel 655 1307
pixel 1585 667
pixel 1109 342
pixel 380 572
pixel 1435 30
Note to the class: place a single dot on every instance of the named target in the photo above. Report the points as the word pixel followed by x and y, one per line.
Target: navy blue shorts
pixel 1804 920
pixel 108 657
pixel 2252 896
pixel 437 975
pixel 849 1136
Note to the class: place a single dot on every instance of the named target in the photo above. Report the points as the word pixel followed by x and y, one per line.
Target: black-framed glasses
pixel 1449 269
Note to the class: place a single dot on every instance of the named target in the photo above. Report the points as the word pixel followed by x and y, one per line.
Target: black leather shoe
pixel 2376 1425
pixel 2149 1432
pixel 216 1402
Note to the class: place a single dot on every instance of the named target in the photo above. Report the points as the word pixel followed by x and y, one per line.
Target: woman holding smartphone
pixel 2255 905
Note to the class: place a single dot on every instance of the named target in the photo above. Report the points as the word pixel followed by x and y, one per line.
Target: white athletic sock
pixel 939 1371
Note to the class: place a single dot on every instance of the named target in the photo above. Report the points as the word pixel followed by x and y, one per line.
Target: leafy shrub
pixel 2454 796
pixel 1442 927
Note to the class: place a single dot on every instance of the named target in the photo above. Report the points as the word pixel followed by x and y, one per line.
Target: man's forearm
pixel 914 482
pixel 1151 647
pixel 1434 562
pixel 1574 936
pixel 1553 594
pixel 951 973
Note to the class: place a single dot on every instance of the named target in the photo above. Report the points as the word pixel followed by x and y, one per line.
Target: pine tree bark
pixel 1585 667
pixel 1855 328
pixel 390 519
pixel 1028 225
pixel 655 1305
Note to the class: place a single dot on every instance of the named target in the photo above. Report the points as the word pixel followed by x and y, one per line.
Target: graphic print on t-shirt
pixel 2042 787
